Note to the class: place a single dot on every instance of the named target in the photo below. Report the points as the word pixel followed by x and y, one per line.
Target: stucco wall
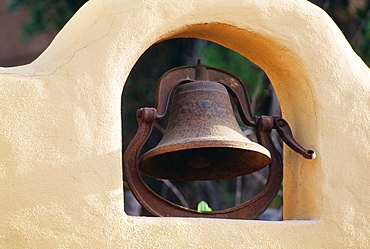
pixel 60 153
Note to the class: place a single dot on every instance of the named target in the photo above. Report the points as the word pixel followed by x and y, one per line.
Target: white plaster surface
pixel 60 145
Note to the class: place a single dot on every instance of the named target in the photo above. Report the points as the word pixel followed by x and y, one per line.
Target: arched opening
pixel 140 92
pixel 292 81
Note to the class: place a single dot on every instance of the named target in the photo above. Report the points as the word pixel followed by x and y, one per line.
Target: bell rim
pixel 148 156
pixel 206 144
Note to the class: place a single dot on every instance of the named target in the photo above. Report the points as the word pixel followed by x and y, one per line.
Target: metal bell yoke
pixel 203 141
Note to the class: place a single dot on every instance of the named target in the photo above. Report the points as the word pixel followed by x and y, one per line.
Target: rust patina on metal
pixel 204 142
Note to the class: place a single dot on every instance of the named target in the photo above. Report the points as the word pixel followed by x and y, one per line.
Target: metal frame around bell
pixel 146 117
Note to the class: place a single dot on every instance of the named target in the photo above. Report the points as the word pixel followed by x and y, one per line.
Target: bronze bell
pixel 203 140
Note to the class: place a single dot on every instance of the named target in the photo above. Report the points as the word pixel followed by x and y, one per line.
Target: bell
pixel 203 140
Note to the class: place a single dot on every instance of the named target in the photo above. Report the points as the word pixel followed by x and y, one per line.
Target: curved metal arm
pixel 282 127
pixel 159 206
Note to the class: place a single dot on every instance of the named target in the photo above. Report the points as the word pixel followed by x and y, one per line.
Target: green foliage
pixel 364 46
pixel 46 15
pixel 218 56
pixel 203 206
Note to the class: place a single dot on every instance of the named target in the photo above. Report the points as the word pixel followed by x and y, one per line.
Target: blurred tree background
pixel 352 17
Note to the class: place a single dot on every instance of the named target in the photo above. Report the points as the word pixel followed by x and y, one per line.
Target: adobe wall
pixel 60 129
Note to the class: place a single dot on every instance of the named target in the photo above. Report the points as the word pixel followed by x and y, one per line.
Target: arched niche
pixel 284 68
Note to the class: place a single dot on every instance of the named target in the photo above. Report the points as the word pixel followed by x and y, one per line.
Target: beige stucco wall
pixel 60 145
